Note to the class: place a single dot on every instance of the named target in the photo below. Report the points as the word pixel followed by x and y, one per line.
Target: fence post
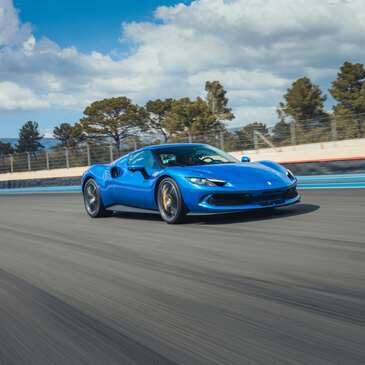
pixel 190 138
pixel 67 158
pixel 221 139
pixel 29 165
pixel 111 153
pixel 255 140
pixel 293 136
pixel 135 145
pixel 11 163
pixel 358 127
pixel 88 154
pixel 47 160
pixel 333 129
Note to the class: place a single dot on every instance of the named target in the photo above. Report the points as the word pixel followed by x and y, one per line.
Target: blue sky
pixel 56 57
pixel 87 24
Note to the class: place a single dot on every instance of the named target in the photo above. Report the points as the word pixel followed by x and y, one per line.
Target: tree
pixel 246 134
pixel 69 135
pixel 349 90
pixel 189 117
pixel 281 132
pixel 348 126
pixel 6 149
pixel 217 101
pixel 115 118
pixel 29 138
pixel 303 103
pixel 157 113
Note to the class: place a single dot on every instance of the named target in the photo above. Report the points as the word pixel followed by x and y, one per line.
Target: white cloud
pixel 239 79
pixel 13 97
pixel 255 47
pixel 11 31
pixel 29 45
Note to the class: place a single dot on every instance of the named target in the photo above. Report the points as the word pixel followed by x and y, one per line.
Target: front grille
pixel 264 198
pixel 229 199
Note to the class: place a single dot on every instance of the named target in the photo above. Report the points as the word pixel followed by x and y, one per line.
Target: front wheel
pixel 93 203
pixel 170 203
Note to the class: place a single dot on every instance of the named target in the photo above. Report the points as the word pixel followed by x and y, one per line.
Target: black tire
pixel 93 203
pixel 170 202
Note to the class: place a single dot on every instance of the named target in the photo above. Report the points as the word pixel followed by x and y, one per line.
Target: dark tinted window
pixel 192 155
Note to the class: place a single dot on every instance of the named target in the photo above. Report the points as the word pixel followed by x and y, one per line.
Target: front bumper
pixel 222 200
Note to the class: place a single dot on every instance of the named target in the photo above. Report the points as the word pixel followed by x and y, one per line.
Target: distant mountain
pixel 46 142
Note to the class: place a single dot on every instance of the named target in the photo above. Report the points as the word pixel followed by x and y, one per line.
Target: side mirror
pixel 245 159
pixel 140 168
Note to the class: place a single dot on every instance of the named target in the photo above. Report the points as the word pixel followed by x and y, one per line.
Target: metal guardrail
pixel 315 131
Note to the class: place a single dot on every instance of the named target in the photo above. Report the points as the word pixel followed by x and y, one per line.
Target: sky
pixel 56 57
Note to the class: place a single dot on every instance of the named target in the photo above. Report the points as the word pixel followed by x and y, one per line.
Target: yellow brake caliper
pixel 165 198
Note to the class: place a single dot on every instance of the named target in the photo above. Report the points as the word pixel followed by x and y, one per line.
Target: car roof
pixel 160 146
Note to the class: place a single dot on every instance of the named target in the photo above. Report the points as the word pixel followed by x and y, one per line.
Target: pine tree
pixel 191 117
pixel 157 113
pixel 281 132
pixel 217 101
pixel 6 149
pixel 115 118
pixel 349 90
pixel 69 135
pixel 29 138
pixel 303 103
pixel 246 134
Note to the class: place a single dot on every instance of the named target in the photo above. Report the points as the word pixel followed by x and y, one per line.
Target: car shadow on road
pixel 226 218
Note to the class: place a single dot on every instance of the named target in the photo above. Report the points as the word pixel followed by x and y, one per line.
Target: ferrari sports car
pixel 177 179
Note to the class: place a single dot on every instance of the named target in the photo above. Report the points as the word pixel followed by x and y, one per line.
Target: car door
pixel 135 188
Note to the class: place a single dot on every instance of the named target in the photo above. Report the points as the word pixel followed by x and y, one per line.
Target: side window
pixel 150 161
pixel 137 158
pixel 168 159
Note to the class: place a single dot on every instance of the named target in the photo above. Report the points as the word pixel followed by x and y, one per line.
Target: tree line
pixel 119 120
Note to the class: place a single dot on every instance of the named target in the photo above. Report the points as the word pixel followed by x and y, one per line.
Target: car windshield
pixel 192 156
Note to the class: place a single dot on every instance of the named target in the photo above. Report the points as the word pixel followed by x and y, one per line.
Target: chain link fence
pixel 283 134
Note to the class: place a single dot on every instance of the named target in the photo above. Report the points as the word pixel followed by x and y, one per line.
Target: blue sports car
pixel 180 178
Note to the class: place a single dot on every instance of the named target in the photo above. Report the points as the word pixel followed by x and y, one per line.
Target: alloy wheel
pixel 91 197
pixel 169 200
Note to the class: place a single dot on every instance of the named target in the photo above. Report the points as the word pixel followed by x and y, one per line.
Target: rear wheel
pixel 170 203
pixel 93 203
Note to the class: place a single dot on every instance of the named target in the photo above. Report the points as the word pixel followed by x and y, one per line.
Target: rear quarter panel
pixel 101 174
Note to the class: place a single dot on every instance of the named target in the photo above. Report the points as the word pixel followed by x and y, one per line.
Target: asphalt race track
pixel 278 288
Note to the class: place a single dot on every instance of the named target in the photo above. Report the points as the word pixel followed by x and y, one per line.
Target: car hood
pixel 241 175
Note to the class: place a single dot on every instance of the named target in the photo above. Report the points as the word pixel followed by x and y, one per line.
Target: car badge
pixel 269 183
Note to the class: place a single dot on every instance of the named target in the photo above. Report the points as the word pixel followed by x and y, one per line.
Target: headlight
pixel 206 182
pixel 290 175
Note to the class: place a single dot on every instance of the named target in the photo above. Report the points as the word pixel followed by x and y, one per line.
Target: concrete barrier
pixel 44 174
pixel 326 151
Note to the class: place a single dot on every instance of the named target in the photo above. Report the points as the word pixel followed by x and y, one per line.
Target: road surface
pixel 280 288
